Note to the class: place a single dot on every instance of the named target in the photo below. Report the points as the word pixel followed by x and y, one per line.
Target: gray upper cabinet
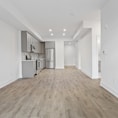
pixel 35 45
pixel 25 42
pixel 50 44
pixel 29 43
pixel 42 47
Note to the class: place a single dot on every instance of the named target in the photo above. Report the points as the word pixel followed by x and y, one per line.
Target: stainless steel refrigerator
pixel 50 58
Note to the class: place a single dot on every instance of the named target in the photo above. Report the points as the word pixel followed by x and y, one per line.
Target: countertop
pixel 39 59
pixel 28 60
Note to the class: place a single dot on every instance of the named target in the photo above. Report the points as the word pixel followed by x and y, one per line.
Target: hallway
pixel 64 93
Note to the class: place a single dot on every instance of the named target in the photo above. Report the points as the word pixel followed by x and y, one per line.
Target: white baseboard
pixel 70 65
pixel 6 83
pixel 87 74
pixel 109 89
pixel 96 77
pixel 90 75
pixel 59 68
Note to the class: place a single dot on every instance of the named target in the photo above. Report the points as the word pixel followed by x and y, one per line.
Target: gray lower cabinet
pixel 42 64
pixel 28 68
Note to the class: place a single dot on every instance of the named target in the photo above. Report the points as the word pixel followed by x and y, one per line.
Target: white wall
pixel 91 22
pixel 85 54
pixel 59 54
pixel 9 54
pixel 69 54
pixel 96 32
pixel 77 54
pixel 109 45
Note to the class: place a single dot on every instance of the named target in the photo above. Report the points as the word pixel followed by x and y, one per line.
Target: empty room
pixel 58 59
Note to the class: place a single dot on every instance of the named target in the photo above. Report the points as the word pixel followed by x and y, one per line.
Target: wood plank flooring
pixel 64 93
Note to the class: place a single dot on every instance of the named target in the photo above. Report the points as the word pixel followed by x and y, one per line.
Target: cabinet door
pixel 41 64
pixel 44 63
pixel 50 44
pixel 33 45
pixel 25 41
pixel 28 68
pixel 28 43
pixel 37 46
pixel 42 47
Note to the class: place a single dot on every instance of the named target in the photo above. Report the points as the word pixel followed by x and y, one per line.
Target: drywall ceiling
pixel 56 15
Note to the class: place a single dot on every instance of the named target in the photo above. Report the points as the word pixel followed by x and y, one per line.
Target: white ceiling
pixel 56 14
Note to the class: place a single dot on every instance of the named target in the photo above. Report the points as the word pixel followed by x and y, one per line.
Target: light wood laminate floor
pixel 57 94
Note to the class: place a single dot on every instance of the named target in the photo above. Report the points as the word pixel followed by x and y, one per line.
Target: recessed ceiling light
pixel 52 34
pixel 64 34
pixel 64 30
pixel 50 30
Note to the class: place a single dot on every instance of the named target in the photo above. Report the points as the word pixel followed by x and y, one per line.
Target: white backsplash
pixel 41 55
pixel 33 56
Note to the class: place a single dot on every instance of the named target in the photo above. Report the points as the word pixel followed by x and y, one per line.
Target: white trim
pixel 108 88
pixel 7 83
pixel 89 75
pixel 59 68
pixel 96 77
pixel 19 55
pixel 86 74
pixel 78 68
pixel 69 65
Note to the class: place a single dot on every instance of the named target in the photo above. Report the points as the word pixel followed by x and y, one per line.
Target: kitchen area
pixel 36 55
